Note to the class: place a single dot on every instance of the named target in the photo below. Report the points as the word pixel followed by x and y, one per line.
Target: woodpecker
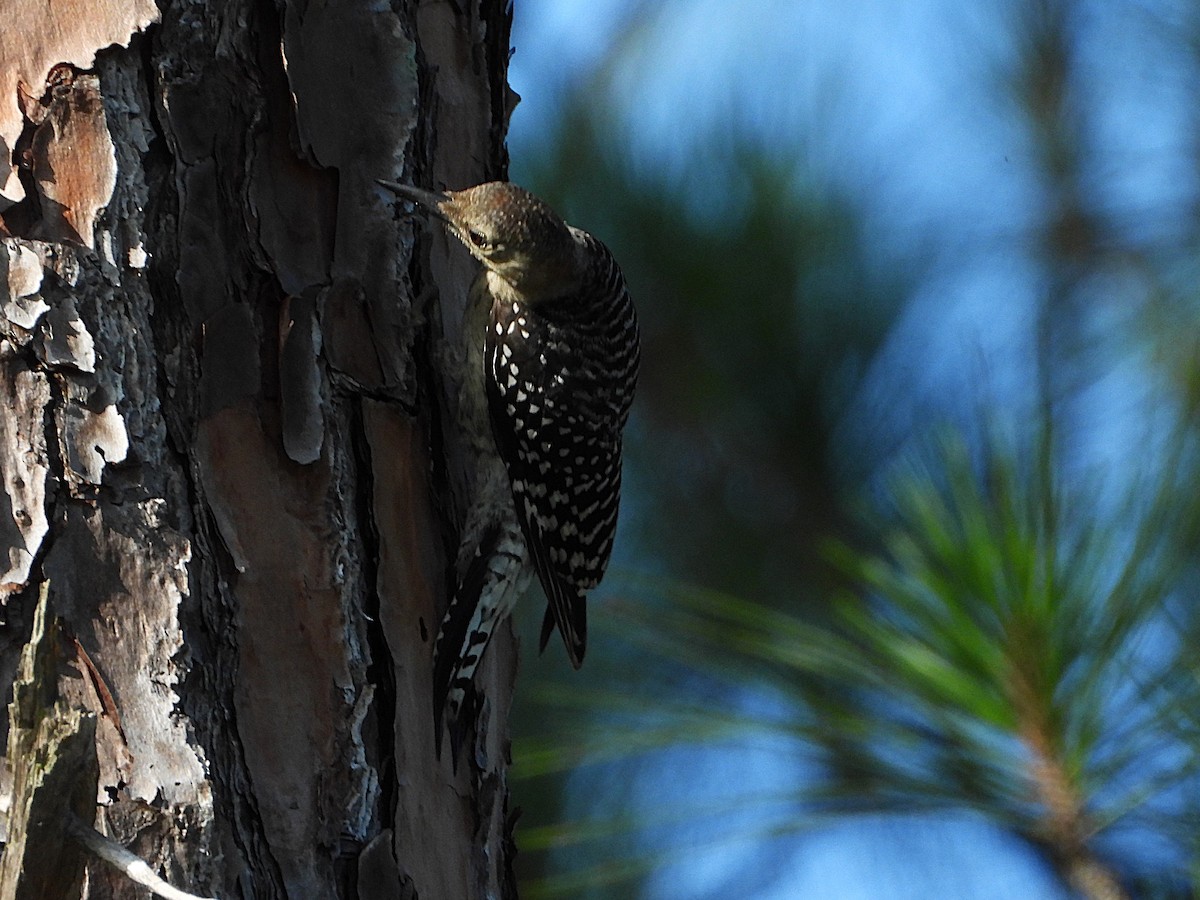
pixel 559 353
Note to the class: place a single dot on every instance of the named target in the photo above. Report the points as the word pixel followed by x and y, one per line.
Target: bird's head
pixel 509 230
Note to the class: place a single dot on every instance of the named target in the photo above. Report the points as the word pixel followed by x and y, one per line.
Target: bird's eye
pixel 478 238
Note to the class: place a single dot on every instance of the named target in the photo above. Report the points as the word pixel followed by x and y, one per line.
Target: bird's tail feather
pixel 489 588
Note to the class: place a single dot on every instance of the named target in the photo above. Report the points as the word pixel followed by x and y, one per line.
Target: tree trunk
pixel 230 464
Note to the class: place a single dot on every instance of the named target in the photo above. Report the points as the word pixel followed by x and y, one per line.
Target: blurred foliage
pixel 1006 625
pixel 1002 665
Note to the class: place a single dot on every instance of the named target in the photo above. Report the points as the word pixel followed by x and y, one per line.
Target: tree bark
pixel 229 459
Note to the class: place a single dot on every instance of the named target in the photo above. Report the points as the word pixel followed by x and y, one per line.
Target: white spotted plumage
pixel 559 422
pixel 561 354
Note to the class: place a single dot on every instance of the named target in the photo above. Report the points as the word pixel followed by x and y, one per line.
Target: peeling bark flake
pixel 39 34
pixel 66 341
pixel 71 157
pixel 300 379
pixel 20 280
pixel 92 441
pixel 23 523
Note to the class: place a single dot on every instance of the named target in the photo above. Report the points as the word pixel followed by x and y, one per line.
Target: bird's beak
pixel 432 202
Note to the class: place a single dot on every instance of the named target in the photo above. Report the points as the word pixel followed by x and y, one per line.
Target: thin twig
pixel 117 856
